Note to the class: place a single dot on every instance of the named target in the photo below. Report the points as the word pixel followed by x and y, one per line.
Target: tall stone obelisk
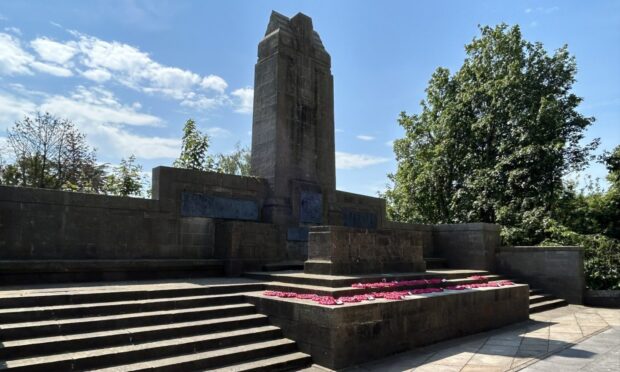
pixel 293 123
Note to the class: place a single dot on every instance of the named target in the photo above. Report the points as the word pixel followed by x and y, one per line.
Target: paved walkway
pixel 567 339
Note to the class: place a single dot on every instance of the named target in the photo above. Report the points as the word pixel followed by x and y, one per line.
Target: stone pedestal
pixel 340 250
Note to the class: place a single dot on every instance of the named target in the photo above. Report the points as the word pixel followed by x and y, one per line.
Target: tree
pixel 194 149
pixel 493 141
pixel 238 162
pixel 50 152
pixel 194 154
pixel 125 179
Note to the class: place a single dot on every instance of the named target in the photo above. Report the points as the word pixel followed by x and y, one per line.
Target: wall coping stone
pixel 466 227
pixel 19 194
pixel 537 248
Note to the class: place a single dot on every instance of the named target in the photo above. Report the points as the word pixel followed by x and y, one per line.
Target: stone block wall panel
pixel 468 245
pixel 339 250
pixel 557 270
pixel 339 337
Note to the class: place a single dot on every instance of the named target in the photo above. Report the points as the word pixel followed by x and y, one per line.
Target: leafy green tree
pixel 194 154
pixel 194 149
pixel 237 162
pixel 126 179
pixel 494 140
pixel 50 152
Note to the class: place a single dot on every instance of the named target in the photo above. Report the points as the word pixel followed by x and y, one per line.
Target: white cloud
pixel 13 108
pixel 217 132
pixel 135 69
pixel 13 30
pixel 200 101
pixel 542 10
pixel 215 83
pixel 99 115
pixel 338 130
pixel 389 143
pixel 364 137
pixel 53 51
pixel 96 105
pixel 245 100
pixel 13 59
pixel 123 143
pixel 345 160
pixel 101 61
pixel 51 69
pixel 98 75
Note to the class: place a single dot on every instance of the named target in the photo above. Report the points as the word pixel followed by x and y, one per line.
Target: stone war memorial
pixel 272 272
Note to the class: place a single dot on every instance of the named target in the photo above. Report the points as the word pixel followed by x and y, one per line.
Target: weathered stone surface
pixel 354 210
pixel 468 245
pixel 248 245
pixel 202 205
pixel 338 250
pixel 557 270
pixel 293 122
pixel 47 224
pixel 338 337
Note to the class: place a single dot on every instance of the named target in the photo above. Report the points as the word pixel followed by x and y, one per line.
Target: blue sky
pixel 130 73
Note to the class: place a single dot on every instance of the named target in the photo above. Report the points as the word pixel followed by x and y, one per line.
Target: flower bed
pixel 391 295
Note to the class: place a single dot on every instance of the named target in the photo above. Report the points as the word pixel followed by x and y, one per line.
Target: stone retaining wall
pixel 338 337
pixel 557 270
pixel 468 245
pixel 47 224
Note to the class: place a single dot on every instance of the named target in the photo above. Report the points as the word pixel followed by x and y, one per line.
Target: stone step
pixel 538 298
pixel 350 291
pixel 18 272
pixel 114 356
pixel 30 314
pixel 284 362
pixel 283 266
pixel 75 342
pixel 535 291
pixel 14 331
pixel 88 295
pixel 209 360
pixel 547 305
pixel 299 277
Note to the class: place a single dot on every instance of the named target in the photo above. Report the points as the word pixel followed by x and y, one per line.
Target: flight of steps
pixel 182 329
pixel 540 301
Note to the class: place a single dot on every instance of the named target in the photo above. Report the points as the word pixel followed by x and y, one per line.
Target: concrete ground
pixel 571 338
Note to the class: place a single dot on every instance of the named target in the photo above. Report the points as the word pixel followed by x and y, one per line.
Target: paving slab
pixel 573 338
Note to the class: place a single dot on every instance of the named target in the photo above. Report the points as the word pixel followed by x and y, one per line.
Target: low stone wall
pixel 338 337
pixel 557 270
pixel 468 245
pixel 340 250
pixel 424 234
pixel 191 193
pixel 602 298
pixel 358 211
pixel 46 224
pixel 246 246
